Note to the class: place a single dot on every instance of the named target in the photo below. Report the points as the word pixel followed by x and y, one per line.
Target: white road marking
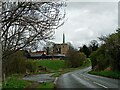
pixel 83 81
pixel 84 77
pixel 93 82
pixel 100 84
pixel 55 80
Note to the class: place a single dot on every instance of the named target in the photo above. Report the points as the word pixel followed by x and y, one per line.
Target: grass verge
pixel 110 74
pixel 15 82
pixel 49 85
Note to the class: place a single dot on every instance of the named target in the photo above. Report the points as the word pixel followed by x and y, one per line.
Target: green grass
pixel 46 85
pixel 0 85
pixel 57 74
pixel 15 82
pixel 57 65
pixel 51 64
pixel 87 63
pixel 109 74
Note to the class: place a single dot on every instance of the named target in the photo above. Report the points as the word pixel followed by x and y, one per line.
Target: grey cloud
pixel 87 21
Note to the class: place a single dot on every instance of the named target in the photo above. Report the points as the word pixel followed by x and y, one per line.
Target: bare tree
pixel 48 47
pixel 26 23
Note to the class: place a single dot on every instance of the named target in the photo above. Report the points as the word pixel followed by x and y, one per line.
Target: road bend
pixel 81 79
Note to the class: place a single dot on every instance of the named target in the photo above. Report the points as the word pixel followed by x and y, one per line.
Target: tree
pixel 93 45
pixel 100 59
pixel 85 50
pixel 48 47
pixel 26 23
pixel 74 58
pixel 113 49
pixel 108 54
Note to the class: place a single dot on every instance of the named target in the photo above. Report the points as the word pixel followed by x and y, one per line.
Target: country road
pixel 81 79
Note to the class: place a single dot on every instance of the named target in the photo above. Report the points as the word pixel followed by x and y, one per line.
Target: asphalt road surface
pixel 81 79
pixel 40 78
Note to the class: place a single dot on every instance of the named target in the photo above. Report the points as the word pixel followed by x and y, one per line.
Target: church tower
pixel 61 48
pixel 63 38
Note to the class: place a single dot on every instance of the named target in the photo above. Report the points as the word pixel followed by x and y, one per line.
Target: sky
pixel 86 21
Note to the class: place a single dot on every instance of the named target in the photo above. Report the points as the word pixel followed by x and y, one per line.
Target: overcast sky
pixel 85 21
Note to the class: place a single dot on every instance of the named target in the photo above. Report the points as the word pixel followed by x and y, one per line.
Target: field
pixel 54 65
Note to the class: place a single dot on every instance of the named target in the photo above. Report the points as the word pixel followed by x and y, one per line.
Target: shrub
pixel 100 59
pixel 14 63
pixel 31 66
pixel 75 58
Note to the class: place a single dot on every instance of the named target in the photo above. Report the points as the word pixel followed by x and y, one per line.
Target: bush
pixel 17 63
pixel 100 59
pixel 14 63
pixel 75 58
pixel 31 66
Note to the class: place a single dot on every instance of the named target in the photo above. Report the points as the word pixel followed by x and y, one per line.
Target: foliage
pixel 31 66
pixel 108 54
pixel 75 58
pixel 15 63
pixel 86 63
pixel 99 59
pixel 93 45
pixel 85 50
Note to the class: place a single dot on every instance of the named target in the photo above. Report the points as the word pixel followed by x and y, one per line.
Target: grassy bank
pixel 51 64
pixel 87 63
pixel 109 74
pixel 15 81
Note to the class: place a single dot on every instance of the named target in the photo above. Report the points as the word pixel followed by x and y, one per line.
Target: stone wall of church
pixel 64 48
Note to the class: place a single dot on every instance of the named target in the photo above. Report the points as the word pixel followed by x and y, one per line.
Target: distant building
pixel 37 54
pixel 57 51
pixel 61 48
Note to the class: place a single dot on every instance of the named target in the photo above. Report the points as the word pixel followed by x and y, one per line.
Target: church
pixel 57 51
pixel 62 48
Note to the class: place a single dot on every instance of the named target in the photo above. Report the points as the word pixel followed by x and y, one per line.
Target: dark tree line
pixel 87 50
